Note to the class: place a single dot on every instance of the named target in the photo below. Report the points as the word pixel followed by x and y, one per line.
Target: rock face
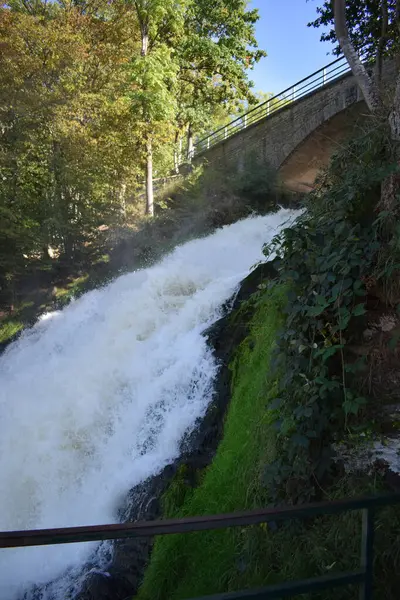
pixel 130 556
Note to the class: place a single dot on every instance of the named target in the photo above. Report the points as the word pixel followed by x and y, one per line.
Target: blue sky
pixel 294 50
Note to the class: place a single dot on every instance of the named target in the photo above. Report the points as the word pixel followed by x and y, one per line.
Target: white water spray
pixel 96 398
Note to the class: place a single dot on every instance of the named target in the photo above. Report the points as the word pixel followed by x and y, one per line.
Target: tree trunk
pixel 394 122
pixel 394 117
pixel 372 94
pixel 46 252
pixel 381 44
pixel 144 31
pixel 122 199
pixel 176 153
pixel 145 44
pixel 69 247
pixel 391 184
pixel 190 144
pixel 149 180
pixel 367 84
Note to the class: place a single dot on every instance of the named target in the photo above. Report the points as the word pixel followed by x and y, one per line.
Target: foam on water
pixel 96 398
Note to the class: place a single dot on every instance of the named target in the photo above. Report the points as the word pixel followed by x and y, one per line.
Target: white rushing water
pixel 96 398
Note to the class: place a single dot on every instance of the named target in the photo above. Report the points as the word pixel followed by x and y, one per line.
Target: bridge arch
pixel 301 167
pixel 275 138
pixel 298 138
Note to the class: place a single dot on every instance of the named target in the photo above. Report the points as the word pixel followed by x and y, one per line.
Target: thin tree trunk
pixel 391 184
pixel 144 27
pixel 372 94
pixel 68 247
pixel 122 199
pixel 394 117
pixel 381 43
pixel 144 31
pixel 190 144
pixel 149 180
pixel 46 252
pixel 145 41
pixel 176 155
pixel 368 86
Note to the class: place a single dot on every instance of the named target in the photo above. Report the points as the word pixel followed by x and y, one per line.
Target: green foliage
pixel 325 259
pixel 178 492
pixel 74 288
pixel 364 18
pixel 64 153
pixel 257 182
pixel 8 329
pixel 214 55
pixel 183 566
pixel 81 99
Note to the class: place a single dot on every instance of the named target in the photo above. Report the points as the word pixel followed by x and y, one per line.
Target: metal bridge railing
pixel 362 577
pixel 302 88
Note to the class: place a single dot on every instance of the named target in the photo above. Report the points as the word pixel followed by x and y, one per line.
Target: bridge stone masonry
pixel 297 131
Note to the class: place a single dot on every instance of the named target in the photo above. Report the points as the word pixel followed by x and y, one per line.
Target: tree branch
pixel 367 84
pixel 139 13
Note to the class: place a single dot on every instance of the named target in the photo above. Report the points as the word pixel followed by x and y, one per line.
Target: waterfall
pixel 97 397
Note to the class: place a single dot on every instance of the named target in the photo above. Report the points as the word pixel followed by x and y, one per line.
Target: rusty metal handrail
pixel 362 577
pixel 68 535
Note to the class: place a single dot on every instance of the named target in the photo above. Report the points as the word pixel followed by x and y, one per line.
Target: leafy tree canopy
pixel 367 21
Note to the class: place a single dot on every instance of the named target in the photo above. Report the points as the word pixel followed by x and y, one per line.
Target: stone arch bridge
pixel 296 131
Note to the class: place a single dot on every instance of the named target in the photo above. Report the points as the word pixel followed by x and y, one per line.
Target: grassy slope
pixel 9 328
pixel 230 483
pixel 27 312
pixel 186 566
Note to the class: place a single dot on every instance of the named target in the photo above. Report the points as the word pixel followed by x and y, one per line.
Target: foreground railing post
pixel 367 553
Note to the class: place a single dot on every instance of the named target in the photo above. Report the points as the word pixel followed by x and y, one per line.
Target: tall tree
pixel 214 58
pixel 64 153
pixel 92 92
pixel 154 74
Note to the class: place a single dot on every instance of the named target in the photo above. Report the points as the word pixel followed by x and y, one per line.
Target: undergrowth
pixel 328 259
pixel 190 565
pixel 9 329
